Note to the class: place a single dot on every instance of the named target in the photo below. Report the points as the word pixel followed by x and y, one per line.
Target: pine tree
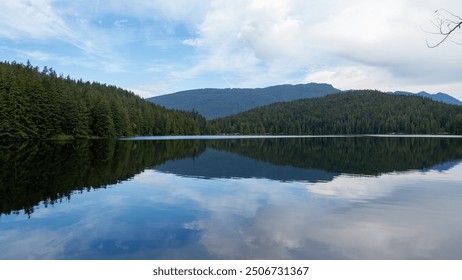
pixel 102 122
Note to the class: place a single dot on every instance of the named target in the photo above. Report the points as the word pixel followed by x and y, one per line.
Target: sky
pixel 155 47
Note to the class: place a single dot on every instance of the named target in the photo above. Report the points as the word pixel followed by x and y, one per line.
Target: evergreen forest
pixel 352 112
pixel 40 104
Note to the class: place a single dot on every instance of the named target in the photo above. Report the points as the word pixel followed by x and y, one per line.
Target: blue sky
pixel 155 47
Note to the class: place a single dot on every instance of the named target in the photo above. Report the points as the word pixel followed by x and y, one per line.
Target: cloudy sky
pixel 155 47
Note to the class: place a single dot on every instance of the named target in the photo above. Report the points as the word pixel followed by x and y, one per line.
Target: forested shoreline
pixel 40 104
pixel 353 112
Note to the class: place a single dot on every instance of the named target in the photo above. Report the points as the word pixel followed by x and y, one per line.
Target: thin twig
pixel 445 27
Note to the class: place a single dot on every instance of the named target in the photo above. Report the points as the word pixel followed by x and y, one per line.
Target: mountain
pixel 215 103
pixel 442 97
pixel 352 112
pixel 232 165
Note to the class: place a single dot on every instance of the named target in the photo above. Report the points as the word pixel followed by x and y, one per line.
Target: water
pixel 250 198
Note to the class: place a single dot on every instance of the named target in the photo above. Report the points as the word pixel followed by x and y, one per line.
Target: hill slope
pixel 41 104
pixel 214 103
pixel 353 112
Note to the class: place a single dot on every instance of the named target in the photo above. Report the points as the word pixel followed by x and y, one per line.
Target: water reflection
pixel 32 172
pixel 49 171
pixel 384 211
pixel 213 163
pixel 353 155
pixel 413 216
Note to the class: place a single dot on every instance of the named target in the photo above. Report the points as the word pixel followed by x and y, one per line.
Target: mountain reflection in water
pixel 281 198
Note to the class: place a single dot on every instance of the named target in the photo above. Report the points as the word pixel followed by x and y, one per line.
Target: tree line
pixel 38 103
pixel 353 112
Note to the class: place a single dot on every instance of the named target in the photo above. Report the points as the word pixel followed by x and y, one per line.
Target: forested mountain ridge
pixel 38 104
pixel 214 103
pixel 41 104
pixel 353 112
pixel 217 103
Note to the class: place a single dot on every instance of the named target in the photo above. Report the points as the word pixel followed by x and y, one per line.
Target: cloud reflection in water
pixel 158 215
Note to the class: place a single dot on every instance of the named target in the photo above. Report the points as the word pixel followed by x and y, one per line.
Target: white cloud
pixel 383 45
pixel 252 43
pixel 266 42
pixel 354 77
pixel 146 91
pixel 120 23
pixel 29 22
pixel 39 20
pixel 359 43
pixel 35 19
pixel 362 76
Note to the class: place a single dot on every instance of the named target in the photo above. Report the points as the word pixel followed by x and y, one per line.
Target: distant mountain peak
pixel 214 103
pixel 441 97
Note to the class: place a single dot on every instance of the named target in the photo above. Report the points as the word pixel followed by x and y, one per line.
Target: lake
pixel 358 197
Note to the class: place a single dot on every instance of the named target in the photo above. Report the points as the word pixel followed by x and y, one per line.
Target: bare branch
pixel 456 16
pixel 445 26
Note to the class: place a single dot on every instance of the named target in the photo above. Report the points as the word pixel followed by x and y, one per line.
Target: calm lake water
pixel 219 198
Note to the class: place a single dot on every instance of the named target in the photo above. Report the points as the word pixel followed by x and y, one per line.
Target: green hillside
pixel 41 104
pixel 353 112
